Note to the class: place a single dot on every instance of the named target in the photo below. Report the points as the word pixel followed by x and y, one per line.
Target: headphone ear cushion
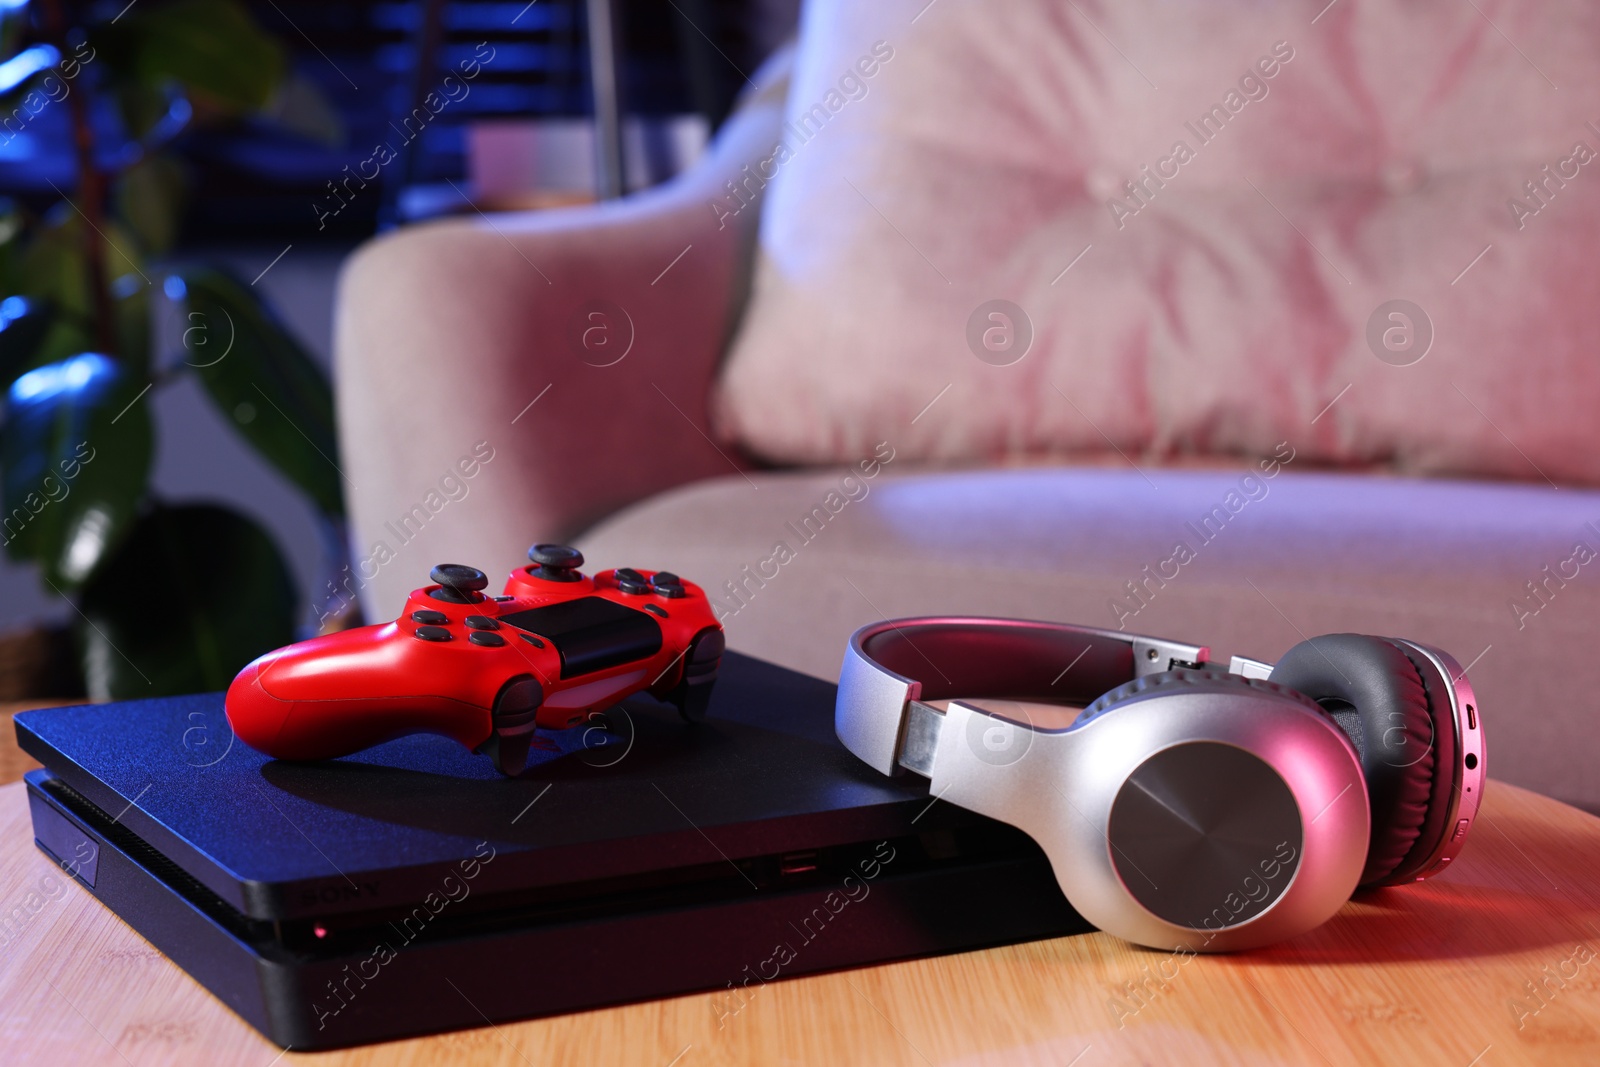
pixel 1376 695
pixel 1189 678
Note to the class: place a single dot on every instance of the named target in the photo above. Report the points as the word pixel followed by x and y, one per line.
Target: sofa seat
pixel 1269 562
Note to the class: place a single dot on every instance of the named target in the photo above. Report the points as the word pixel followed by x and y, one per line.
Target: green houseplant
pixel 168 597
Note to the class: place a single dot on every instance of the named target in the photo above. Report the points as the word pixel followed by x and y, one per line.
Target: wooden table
pixel 1496 963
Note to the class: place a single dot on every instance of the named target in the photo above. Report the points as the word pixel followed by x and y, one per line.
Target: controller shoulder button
pixel 430 618
pixel 489 640
pixel 481 622
pixel 433 633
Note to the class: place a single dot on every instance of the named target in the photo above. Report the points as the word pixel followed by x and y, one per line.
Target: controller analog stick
pixel 458 584
pixel 556 563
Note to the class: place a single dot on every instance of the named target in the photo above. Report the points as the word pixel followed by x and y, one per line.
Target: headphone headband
pixel 891 666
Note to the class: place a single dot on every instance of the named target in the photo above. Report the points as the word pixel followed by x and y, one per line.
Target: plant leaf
pixel 74 461
pixel 225 597
pixel 24 323
pixel 150 200
pixel 300 107
pixel 140 104
pixel 54 266
pixel 67 336
pixel 13 27
pixel 130 305
pixel 262 381
pixel 214 48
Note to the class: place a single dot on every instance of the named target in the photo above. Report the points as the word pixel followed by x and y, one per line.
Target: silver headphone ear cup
pixel 1205 813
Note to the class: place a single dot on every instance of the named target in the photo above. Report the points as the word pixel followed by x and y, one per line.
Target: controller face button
pixel 430 618
pixel 633 588
pixel 479 622
pixel 652 609
pixel 481 637
pixel 433 633
pixel 532 640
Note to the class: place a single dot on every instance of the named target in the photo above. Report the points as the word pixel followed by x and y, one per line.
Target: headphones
pixel 1185 806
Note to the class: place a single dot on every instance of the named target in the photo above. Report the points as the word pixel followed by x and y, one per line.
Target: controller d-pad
pixel 481 622
pixel 430 618
pixel 433 633
pixel 633 588
pixel 488 640
pixel 628 574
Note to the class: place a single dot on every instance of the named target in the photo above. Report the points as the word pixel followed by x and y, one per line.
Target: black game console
pixel 411 888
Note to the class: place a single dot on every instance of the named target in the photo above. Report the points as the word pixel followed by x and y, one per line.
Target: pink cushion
pixel 1227 307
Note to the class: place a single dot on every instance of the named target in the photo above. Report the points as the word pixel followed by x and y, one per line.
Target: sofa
pixel 1229 322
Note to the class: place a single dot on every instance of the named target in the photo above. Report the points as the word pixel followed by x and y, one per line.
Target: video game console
pixel 556 648
pixel 411 888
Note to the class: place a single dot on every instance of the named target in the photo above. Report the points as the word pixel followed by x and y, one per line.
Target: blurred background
pixel 229 154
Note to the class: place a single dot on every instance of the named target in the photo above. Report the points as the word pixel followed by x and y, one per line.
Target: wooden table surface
pixel 1497 962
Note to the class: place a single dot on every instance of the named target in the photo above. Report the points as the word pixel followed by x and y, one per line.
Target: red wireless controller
pixel 482 670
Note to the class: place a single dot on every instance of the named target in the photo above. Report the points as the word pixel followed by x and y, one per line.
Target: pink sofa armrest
pixel 460 347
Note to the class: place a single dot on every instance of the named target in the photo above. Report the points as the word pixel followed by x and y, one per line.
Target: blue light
pixel 18 147
pixel 68 376
pixel 25 64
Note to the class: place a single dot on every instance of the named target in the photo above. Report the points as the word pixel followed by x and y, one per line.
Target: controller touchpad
pixel 591 634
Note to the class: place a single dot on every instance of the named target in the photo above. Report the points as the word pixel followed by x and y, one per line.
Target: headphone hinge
pixel 1249 668
pixel 923 723
pixel 1152 655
